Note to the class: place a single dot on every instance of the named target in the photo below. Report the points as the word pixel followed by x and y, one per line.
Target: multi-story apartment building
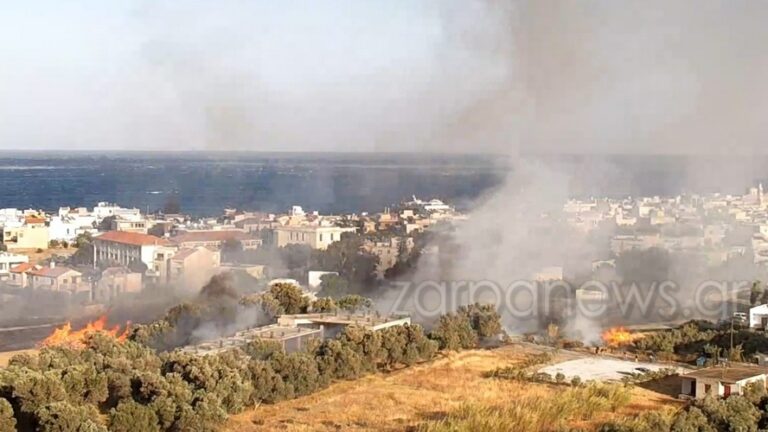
pixel 125 248
pixel 316 237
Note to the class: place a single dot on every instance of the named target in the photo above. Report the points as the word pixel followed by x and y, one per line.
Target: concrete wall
pixel 298 343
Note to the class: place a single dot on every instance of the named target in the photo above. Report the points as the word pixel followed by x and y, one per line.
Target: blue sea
pixel 206 183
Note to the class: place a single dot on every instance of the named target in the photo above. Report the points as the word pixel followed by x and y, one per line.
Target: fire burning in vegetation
pixel 618 336
pixel 64 335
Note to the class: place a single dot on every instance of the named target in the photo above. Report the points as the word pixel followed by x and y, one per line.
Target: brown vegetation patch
pixel 405 398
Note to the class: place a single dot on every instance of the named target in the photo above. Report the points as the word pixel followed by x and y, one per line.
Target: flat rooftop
pixel 731 373
pixel 275 332
pixel 272 332
pixel 363 320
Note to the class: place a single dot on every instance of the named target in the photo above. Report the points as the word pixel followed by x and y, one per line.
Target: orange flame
pixel 618 336
pixel 64 335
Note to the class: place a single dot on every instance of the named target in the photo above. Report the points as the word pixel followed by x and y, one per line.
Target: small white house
pixel 762 359
pixel 758 317
pixel 68 227
pixel 723 381
pixel 9 260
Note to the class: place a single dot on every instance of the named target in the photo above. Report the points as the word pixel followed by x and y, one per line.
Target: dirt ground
pixel 35 257
pixel 401 399
pixel 601 368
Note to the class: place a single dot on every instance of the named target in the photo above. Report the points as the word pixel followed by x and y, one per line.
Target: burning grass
pixel 64 335
pixel 619 336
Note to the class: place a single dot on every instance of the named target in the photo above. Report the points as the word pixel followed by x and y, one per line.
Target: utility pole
pixel 729 353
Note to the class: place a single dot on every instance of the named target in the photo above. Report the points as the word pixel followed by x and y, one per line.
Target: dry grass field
pixel 36 257
pixel 402 399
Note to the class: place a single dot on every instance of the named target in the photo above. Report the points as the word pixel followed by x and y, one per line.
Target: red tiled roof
pixel 22 268
pixel 210 236
pixel 131 238
pixel 31 220
pixel 52 272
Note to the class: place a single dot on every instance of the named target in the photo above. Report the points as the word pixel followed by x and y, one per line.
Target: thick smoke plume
pixel 595 76
pixel 509 77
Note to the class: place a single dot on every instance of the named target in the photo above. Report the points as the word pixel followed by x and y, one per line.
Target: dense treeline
pixel 703 338
pixel 108 385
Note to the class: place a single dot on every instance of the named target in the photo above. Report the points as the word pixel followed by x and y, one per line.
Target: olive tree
pixel 65 417
pixel 454 332
pixel 336 360
pixel 7 421
pixel 483 318
pixel 130 416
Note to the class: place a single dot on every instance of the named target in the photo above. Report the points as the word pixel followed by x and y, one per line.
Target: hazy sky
pixel 397 75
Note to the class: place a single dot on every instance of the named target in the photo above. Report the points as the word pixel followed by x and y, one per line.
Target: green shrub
pixel 130 416
pixel 298 371
pixel 7 421
pixel 65 417
pixel 336 360
pixel 268 385
pixel 454 332
pixel 63 388
pixel 483 318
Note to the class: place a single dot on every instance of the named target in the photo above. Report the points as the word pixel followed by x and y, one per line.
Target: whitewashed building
pixel 8 261
pixel 70 223
pixel 722 380
pixel 758 317
pixel 125 248
pixel 316 237
pixel 105 210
